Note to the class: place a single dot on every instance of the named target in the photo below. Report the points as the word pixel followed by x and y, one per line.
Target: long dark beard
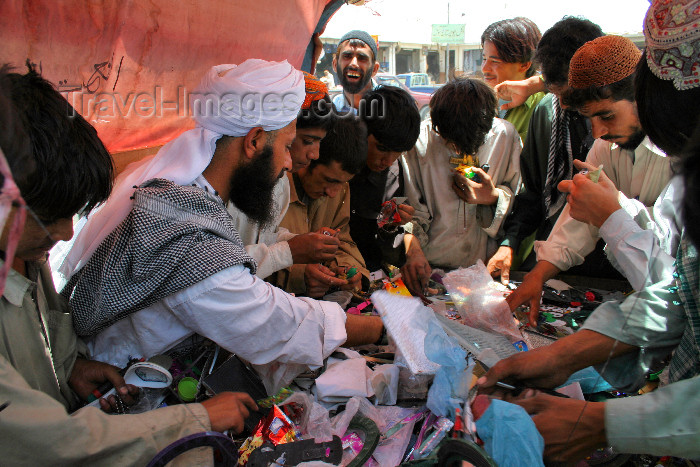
pixel 353 88
pixel 634 140
pixel 252 188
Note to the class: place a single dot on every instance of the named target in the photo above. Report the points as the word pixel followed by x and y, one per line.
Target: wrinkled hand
pixel 540 368
pixel 406 213
pixel 228 410
pixel 313 247
pixel 319 279
pixel 472 192
pixel 572 429
pixel 88 375
pixel 416 272
pixel 590 202
pixel 354 283
pixel 529 292
pixel 517 92
pixel 500 262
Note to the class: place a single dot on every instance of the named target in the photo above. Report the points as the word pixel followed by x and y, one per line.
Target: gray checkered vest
pixel 174 237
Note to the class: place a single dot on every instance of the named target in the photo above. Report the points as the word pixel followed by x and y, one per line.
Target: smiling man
pixel 601 87
pixel 508 49
pixel 355 64
pixel 320 200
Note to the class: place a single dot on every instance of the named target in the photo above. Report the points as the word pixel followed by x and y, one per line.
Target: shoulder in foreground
pixel 502 129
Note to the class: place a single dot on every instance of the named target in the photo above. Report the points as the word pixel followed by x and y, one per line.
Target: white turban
pixel 230 100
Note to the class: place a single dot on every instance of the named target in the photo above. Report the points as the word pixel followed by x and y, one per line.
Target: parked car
pixel 422 98
pixel 418 82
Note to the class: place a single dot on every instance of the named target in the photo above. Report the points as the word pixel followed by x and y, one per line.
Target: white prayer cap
pixel 233 99
pixel 230 100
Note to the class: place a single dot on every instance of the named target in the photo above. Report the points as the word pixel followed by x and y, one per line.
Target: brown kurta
pixel 323 212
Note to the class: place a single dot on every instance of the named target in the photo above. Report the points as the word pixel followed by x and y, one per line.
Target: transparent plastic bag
pixel 480 304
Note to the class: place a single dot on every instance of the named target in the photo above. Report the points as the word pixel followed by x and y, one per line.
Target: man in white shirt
pixel 162 262
pixel 601 76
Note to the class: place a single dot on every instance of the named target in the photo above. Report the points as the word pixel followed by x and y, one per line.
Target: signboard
pixel 448 33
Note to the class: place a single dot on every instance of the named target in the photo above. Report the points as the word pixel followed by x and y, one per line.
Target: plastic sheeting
pixel 127 66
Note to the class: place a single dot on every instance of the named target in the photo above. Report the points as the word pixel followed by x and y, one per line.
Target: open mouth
pixel 353 75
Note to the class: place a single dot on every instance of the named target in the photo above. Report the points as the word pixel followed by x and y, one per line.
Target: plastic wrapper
pixel 385 383
pixel 311 418
pixel 510 436
pixel 389 214
pixel 479 303
pixel 440 427
pixel 275 428
pixel 444 395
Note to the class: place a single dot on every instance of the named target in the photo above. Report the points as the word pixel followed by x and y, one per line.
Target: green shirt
pixel 520 116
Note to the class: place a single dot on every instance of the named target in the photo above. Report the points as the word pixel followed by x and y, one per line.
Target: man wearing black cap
pixel 355 64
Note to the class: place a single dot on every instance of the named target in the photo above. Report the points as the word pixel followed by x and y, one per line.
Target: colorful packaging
pixel 275 428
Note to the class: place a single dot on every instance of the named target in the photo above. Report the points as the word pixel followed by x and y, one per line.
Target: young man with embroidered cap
pixel 62 168
pixel 355 63
pixel 508 55
pixel 624 338
pixel 457 220
pixel 601 76
pixel 558 135
pixel 274 247
pixel 320 200
pixel 162 263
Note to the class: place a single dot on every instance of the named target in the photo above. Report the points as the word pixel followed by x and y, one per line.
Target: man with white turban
pixel 161 263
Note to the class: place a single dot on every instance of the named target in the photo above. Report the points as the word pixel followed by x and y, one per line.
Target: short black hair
pixel 691 180
pixel 317 115
pixel 668 116
pixel 462 112
pixel 515 40
pixel 558 45
pixel 391 116
pixel 73 170
pixel 14 140
pixel 345 142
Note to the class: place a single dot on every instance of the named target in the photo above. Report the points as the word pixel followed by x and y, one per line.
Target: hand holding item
pixel 228 410
pixel 406 213
pixel 88 375
pixel 314 247
pixel 500 262
pixel 472 192
pixel 416 271
pixel 351 275
pixel 590 201
pixel 319 279
pixel 517 92
pixel 572 429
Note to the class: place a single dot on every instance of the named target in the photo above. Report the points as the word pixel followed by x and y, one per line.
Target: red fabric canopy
pixel 127 66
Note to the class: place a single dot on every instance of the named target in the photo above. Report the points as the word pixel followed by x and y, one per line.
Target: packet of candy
pixel 276 399
pixel 275 428
pixel 389 214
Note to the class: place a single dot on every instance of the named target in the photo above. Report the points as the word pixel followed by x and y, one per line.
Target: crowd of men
pixel 235 231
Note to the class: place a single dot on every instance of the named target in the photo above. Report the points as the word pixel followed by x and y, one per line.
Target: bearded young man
pixel 355 64
pixel 162 263
pixel 601 88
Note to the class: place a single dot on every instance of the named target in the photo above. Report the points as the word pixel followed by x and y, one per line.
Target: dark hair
pixel 515 40
pixel 391 116
pixel 14 140
pixel 669 116
pixel 558 45
pixel 345 142
pixel 462 112
pixel 317 115
pixel 73 170
pixel 691 180
pixel 617 91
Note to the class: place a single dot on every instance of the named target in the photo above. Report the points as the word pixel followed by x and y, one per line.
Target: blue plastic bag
pixel 510 436
pixel 443 395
